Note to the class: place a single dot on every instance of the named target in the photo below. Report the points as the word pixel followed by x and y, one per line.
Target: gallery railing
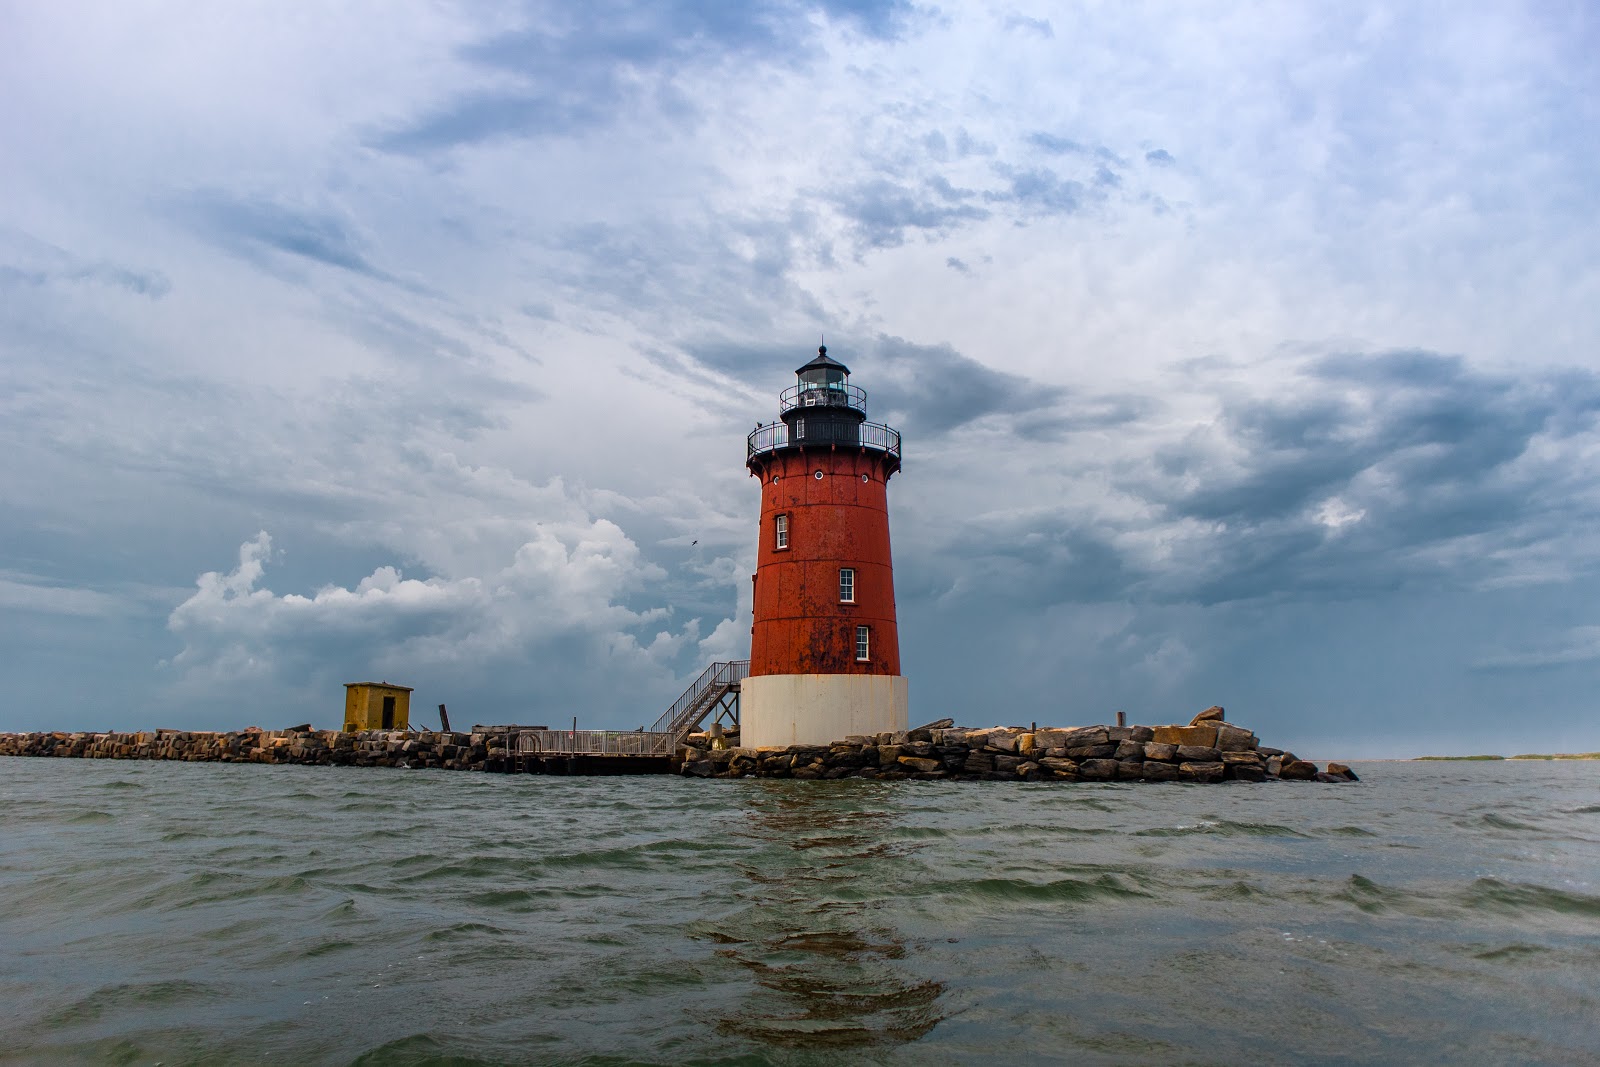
pixel 873 435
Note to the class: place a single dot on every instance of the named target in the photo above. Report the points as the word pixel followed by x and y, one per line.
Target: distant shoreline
pixel 1523 756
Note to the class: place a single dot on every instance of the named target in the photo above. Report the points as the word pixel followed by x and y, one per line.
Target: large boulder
pixel 1076 737
pixel 1200 772
pixel 1198 736
pixel 1211 714
pixel 1099 770
pixel 1343 770
pixel 1234 738
pixel 1298 771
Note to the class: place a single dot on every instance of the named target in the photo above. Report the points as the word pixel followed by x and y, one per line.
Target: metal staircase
pixel 717 687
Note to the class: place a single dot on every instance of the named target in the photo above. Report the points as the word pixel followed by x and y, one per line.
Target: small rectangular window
pixel 780 532
pixel 847 585
pixel 799 427
pixel 863 642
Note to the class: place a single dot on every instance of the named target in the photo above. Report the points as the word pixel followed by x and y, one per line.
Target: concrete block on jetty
pixel 1208 749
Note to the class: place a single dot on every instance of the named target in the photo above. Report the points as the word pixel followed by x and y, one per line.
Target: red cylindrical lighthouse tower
pixel 824 649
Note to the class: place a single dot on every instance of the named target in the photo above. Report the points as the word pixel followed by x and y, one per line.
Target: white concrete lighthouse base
pixel 776 710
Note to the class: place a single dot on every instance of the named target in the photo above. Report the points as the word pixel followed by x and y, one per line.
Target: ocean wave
pixel 1064 890
pixel 1221 828
pixel 1514 898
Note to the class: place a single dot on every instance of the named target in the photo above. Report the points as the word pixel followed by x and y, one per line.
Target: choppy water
pixel 191 913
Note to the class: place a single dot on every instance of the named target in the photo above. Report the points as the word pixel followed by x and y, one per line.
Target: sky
pixel 1245 354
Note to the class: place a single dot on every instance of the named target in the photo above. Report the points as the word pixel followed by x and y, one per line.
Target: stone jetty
pixel 367 748
pixel 1206 750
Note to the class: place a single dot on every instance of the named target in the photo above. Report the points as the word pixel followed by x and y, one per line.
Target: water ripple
pixel 204 913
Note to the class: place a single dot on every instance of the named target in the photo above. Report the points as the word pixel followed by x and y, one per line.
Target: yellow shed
pixel 376 706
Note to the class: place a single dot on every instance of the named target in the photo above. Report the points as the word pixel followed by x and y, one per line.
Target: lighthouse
pixel 824 646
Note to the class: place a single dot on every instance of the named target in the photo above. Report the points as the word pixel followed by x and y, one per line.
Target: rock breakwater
pixel 1205 751
pixel 1208 749
pixel 367 748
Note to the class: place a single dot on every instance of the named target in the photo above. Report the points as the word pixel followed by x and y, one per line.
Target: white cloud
pixel 503 369
pixel 564 584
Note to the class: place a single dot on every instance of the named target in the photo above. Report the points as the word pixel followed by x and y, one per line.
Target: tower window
pixel 799 427
pixel 780 531
pixel 847 585
pixel 863 642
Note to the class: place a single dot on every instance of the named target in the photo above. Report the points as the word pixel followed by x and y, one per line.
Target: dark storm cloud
pixel 250 227
pixel 1424 422
pixel 1368 475
pixel 927 390
pixel 740 267
pixel 761 365
pixel 884 212
pixel 1025 563
pixel 1042 191
pixel 1055 145
pixel 582 67
pixel 1065 412
pixel 932 389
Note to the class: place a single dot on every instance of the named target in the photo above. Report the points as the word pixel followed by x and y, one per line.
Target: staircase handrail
pixel 719 674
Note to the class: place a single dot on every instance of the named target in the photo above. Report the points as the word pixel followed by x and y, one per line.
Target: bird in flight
pixel 694 542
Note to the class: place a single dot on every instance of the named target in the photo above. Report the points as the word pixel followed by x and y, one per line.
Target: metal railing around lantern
pixel 811 395
pixel 873 435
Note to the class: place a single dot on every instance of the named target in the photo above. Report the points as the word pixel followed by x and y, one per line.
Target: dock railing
pixel 589 742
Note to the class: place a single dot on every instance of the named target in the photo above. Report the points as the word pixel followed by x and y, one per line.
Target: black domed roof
pixel 823 360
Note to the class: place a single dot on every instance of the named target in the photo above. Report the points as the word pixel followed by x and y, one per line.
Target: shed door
pixel 388 713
